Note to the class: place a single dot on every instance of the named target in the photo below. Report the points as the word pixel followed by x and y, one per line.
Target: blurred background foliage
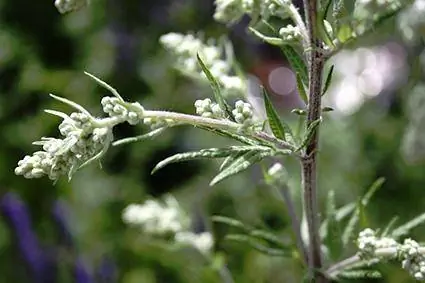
pixel 85 240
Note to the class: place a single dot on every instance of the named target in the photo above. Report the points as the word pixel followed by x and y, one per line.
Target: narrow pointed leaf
pixel 269 39
pixel 215 85
pixel 240 164
pixel 328 80
pixel 296 61
pixel 364 201
pixel 280 129
pixel 229 159
pixel 230 221
pixel 270 238
pixel 105 85
pixel 301 89
pixel 206 153
pixel 333 237
pixel 405 228
pixel 71 103
pixel 327 109
pixel 387 230
pixel 359 274
pixel 257 245
pixel 340 214
pixel 148 135
pixel 310 132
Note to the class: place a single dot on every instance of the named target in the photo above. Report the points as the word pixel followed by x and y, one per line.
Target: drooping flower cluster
pixel 166 219
pixel 84 140
pixel 410 253
pixel 243 112
pixel 66 6
pixel 185 48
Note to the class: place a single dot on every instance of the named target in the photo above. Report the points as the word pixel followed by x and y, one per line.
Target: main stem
pixel 315 61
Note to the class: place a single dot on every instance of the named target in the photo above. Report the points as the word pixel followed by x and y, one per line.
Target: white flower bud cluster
pixel 207 108
pixel 66 6
pixel 203 241
pixel 277 174
pixel 243 113
pixel 411 21
pixel 166 219
pixel 155 218
pixel 231 11
pixel 412 259
pixel 83 142
pixel 132 113
pixel 290 33
pixel 367 243
pixel 155 123
pixel 185 49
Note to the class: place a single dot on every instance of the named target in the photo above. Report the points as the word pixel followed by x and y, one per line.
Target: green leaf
pixel 207 153
pixel 364 201
pixel 311 129
pixel 389 227
pixel 229 159
pixel 279 128
pixel 405 228
pixel 345 33
pixel 148 135
pixel 218 96
pixel 328 80
pixel 299 112
pixel 270 238
pixel 333 235
pixel 257 245
pixel 340 214
pixel 327 109
pixel 240 164
pixel 227 134
pixel 296 61
pixel 230 221
pixel 269 39
pixel 301 89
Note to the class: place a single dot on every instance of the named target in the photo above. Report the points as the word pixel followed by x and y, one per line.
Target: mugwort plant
pixel 308 42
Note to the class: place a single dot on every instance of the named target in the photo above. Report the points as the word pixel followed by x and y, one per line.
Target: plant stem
pixel 315 61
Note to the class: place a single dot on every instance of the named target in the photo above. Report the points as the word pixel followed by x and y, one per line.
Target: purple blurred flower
pixel 81 272
pixel 60 215
pixel 16 213
pixel 106 271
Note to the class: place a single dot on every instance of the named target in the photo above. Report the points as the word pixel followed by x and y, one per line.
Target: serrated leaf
pixel 280 129
pixel 296 61
pixel 206 153
pixel 218 96
pixel 310 132
pixel 333 235
pixel 257 245
pixel 405 228
pixel 389 227
pixel 328 80
pixel 301 89
pixel 230 221
pixel 240 164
